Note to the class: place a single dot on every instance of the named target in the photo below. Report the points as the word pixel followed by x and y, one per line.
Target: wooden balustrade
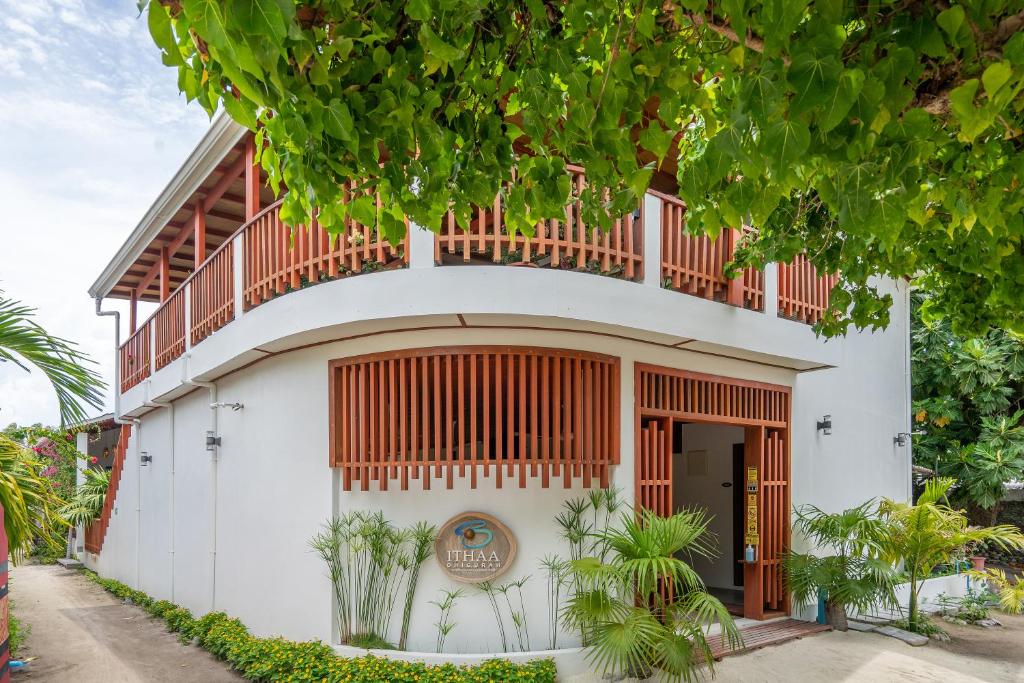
pixel 803 293
pixel 97 530
pixel 695 264
pixel 279 259
pixel 212 294
pixel 169 329
pixel 133 358
pixel 570 244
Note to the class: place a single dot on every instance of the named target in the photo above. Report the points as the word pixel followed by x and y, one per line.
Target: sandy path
pixel 81 633
pixel 973 654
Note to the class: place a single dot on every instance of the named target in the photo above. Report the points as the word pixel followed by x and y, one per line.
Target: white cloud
pixel 93 128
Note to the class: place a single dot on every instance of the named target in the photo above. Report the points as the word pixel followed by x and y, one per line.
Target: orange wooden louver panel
pixel 212 294
pixel 97 530
pixel 506 412
pixel 774 538
pixel 683 394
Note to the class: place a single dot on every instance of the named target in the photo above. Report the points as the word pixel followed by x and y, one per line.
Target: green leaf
pixel 261 17
pixel 419 10
pixel 995 77
pixel 207 18
pixel 338 120
pixel 950 21
pixel 842 98
pixel 784 142
pixel 813 79
pixel 163 35
pixel 972 119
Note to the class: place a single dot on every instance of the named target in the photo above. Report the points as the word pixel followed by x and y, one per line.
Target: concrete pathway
pixel 82 633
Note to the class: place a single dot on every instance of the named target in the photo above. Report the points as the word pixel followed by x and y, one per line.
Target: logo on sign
pixel 474 547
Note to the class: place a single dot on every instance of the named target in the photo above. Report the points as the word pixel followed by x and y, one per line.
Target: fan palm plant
pixel 851 575
pixel 24 343
pixel 28 500
pixel 929 533
pixel 644 607
pixel 90 495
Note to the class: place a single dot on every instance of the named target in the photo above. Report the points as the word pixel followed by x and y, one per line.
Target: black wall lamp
pixel 825 425
pixel 212 441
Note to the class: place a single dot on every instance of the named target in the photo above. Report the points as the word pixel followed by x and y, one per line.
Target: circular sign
pixel 474 547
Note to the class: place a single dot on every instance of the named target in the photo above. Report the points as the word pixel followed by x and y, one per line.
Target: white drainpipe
pixel 170 406
pixel 212 387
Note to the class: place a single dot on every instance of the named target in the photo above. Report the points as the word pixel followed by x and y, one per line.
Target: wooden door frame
pixel 755 431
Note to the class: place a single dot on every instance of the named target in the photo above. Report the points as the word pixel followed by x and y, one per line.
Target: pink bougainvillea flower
pixel 50 471
pixel 94 460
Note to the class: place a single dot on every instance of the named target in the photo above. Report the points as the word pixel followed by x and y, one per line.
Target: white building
pixel 354 376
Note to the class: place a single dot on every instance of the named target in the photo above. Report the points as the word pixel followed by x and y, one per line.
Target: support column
pixel 165 274
pixel 238 272
pixel 133 312
pixel 82 445
pixel 651 216
pixel 421 247
pixel 771 290
pixel 199 235
pixel 252 180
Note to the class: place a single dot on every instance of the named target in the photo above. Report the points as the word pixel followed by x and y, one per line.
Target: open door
pixel 766 515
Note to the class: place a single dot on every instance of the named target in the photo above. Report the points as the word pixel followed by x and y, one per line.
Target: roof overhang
pixel 224 133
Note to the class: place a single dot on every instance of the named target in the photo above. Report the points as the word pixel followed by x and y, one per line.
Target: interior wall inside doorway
pixel 695 485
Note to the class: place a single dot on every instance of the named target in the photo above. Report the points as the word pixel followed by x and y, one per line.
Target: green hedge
pixel 277 659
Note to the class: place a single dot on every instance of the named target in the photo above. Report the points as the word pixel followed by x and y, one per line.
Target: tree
pixel 28 501
pixel 643 607
pixel 968 408
pixel 852 576
pixel 882 138
pixel 924 535
pixel 24 343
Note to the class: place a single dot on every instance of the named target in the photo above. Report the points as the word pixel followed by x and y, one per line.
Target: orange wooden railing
pixel 97 530
pixel 695 264
pixel 133 358
pixel 803 293
pixel 169 329
pixel 568 244
pixel 278 259
pixel 212 294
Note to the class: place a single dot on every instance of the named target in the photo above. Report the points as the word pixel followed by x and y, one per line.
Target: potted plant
pixel 971 551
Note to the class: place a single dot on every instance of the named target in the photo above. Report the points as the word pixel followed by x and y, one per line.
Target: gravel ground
pixel 82 633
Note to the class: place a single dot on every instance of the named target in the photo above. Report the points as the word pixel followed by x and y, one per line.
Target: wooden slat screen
pixel 568 244
pixel 684 394
pixel 133 357
pixel 695 264
pixel 212 294
pixel 513 412
pixel 654 470
pixel 774 502
pixel 169 328
pixel 279 259
pixel 803 293
pixel 97 530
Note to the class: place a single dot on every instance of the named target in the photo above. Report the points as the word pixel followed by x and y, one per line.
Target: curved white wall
pixel 274 487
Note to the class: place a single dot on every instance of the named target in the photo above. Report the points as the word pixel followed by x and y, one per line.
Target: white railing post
pixel 652 240
pixel 771 289
pixel 238 271
pixel 421 247
pixel 187 307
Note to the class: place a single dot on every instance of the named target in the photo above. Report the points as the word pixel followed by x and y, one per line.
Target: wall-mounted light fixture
pixel 212 441
pixel 145 458
pixel 825 425
pixel 234 406
pixel 903 438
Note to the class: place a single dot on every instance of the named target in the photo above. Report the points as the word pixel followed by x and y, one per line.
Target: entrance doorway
pixel 721 444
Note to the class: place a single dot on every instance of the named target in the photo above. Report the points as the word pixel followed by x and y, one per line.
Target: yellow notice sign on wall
pixel 750 535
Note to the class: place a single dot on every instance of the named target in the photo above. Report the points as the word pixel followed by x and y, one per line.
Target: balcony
pixel 266 259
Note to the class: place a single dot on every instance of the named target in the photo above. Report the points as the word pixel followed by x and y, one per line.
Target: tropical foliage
pixel 25 344
pixel 29 503
pixel 882 138
pixel 369 559
pixel 277 659
pixel 930 532
pixel 851 575
pixel 87 503
pixel 1009 591
pixel 968 410
pixel 644 608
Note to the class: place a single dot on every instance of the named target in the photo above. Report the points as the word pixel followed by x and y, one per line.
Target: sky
pixel 92 127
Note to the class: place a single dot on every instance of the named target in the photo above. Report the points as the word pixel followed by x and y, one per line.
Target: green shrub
pixel 277 659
